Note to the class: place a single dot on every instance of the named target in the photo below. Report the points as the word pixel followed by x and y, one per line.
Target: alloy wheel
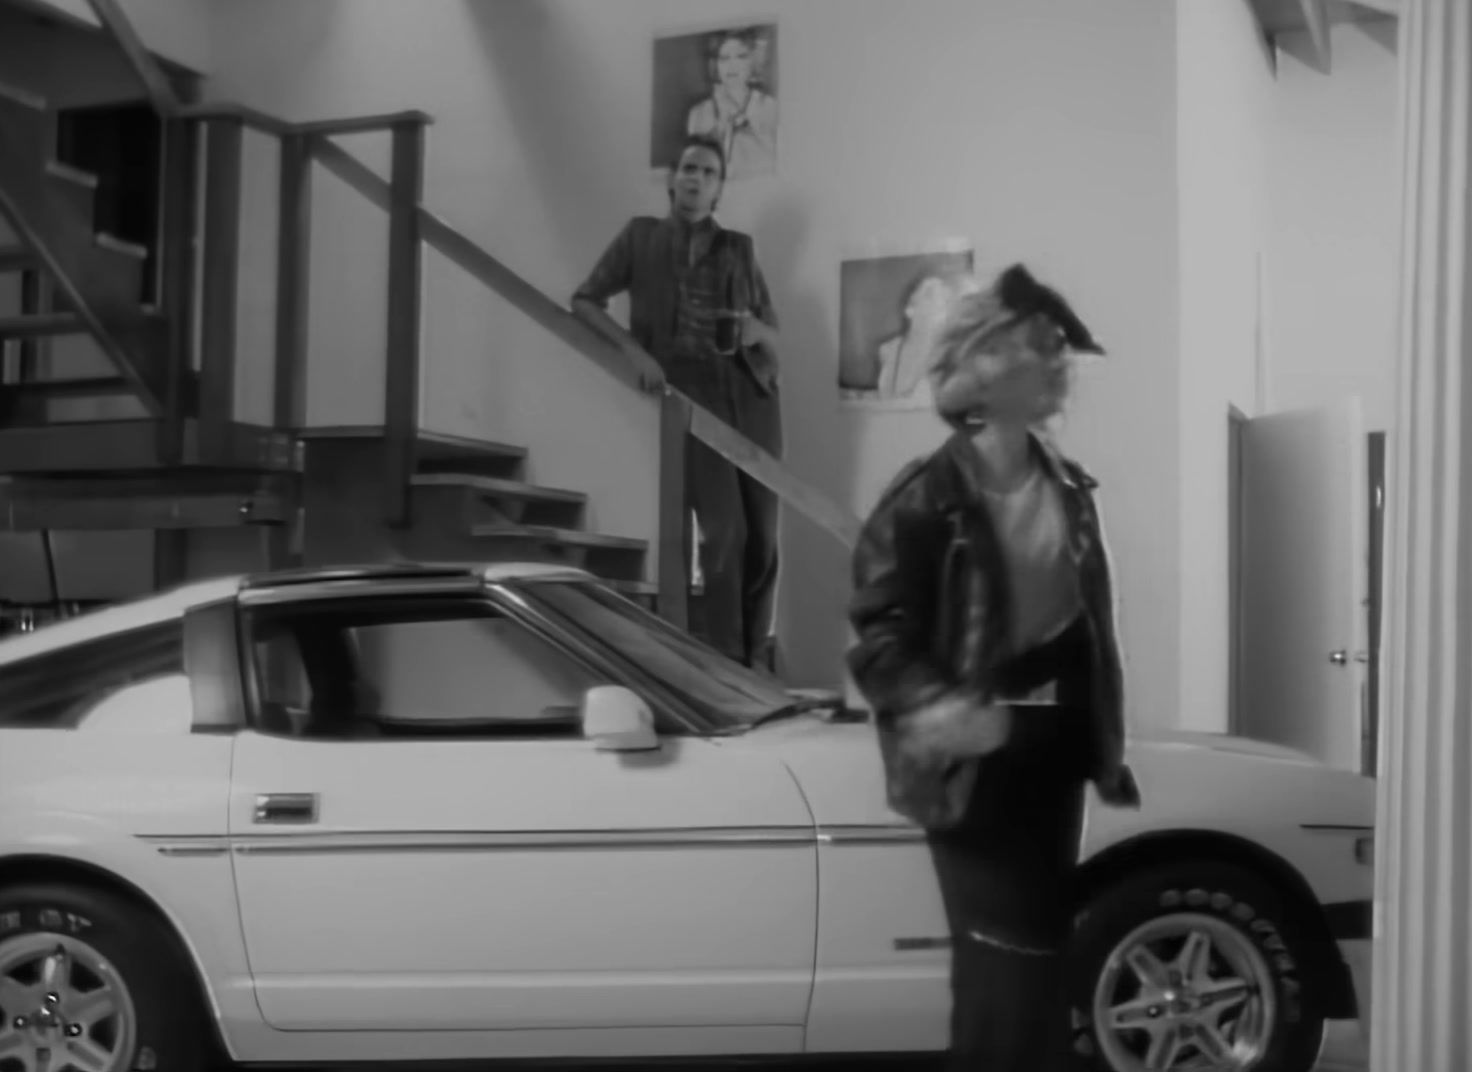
pixel 1184 992
pixel 65 1008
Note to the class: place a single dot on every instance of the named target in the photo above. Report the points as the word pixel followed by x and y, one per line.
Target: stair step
pixel 161 502
pixel 432 445
pixel 119 245
pixel 497 487
pixel 569 537
pixel 465 499
pixel 22 97
pixel 133 444
pixel 76 176
pixel 36 325
pixel 18 259
pixel 436 451
pixel 81 387
pixel 611 557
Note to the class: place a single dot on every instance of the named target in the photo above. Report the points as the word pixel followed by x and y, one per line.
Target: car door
pixel 401 873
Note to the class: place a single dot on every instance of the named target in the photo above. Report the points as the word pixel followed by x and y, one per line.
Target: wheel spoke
pixel 1164 1048
pixel 15 999
pixel 88 1056
pixel 91 1006
pixel 1147 967
pixel 1211 1043
pixel 56 971
pixel 1132 1014
pixel 12 1044
pixel 1219 995
pixel 1194 960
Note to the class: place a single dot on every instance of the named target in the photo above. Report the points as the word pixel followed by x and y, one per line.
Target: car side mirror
pixel 617 719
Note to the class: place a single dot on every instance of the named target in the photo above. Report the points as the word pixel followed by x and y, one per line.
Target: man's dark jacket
pixel 930 607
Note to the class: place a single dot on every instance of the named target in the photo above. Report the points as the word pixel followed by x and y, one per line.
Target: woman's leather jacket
pixel 930 610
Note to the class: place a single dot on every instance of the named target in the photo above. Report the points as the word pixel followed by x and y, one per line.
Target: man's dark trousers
pixel 737 515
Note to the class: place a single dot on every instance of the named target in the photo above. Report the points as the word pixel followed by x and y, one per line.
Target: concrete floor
pixel 1345 1048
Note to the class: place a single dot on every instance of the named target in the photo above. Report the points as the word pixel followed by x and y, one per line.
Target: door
pixel 1302 628
pixel 425 843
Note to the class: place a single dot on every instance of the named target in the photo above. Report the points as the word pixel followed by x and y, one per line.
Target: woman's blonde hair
pixel 988 328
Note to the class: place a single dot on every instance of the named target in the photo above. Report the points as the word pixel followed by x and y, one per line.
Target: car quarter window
pixel 416 668
pixel 56 689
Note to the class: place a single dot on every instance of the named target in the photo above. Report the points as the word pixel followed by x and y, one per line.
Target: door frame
pixel 1374 598
pixel 1236 425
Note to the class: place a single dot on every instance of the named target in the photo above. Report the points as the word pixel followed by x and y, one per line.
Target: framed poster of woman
pixel 891 309
pixel 720 82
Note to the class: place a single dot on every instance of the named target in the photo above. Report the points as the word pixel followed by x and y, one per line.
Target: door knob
pixel 1339 658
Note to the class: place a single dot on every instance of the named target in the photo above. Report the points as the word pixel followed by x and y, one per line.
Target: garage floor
pixel 1345 1049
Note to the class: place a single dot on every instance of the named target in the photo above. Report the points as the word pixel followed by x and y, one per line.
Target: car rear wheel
pixel 1193 965
pixel 90 983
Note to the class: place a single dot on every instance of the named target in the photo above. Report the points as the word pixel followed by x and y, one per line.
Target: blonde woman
pixel 987 649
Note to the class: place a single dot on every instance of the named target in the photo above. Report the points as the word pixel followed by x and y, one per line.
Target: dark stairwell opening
pixel 122 144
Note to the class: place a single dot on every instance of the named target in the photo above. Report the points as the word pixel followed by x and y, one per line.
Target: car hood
pixel 839 769
pixel 802 732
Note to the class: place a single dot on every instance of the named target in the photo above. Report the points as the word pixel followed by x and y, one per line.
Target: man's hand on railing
pixel 647 373
pixel 650 375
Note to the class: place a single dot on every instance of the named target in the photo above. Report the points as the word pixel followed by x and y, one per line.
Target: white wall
pixel 1335 227
pixel 178 30
pixel 1224 124
pixel 1043 130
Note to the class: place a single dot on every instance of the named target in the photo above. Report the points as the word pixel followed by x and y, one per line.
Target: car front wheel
pixel 1192 965
pixel 89 982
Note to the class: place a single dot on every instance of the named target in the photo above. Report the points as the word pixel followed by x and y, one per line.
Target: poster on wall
pixel 721 82
pixel 891 309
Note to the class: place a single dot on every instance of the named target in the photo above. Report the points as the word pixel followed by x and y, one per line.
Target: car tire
pixel 1241 929
pixel 119 982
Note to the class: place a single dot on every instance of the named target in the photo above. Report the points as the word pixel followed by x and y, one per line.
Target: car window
pixel 56 689
pixel 423 669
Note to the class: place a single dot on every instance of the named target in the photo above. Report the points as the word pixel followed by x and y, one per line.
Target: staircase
pixel 468 502
pixel 149 444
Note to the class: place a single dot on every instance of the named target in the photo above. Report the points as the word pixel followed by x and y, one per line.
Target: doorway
pixel 1247 551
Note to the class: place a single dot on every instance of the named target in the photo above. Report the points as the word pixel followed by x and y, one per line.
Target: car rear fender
pixel 1329 972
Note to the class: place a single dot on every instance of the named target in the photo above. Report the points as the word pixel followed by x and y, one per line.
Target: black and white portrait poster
pixel 891 309
pixel 720 82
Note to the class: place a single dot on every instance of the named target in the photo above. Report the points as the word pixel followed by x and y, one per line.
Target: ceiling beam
pixel 1316 18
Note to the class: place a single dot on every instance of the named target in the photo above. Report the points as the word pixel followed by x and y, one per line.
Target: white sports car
pixel 424 812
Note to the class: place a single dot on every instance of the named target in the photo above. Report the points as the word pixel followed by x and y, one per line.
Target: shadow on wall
pixel 558 107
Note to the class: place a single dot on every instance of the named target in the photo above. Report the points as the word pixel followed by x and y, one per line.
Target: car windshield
pixel 731 694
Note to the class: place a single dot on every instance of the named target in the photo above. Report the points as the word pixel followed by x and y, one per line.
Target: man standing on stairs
pixel 699 305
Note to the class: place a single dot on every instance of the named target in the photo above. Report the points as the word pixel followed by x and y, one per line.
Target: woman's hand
pixel 1119 789
pixel 958 725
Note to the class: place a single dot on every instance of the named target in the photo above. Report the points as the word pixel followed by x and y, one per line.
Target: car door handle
pixel 286 808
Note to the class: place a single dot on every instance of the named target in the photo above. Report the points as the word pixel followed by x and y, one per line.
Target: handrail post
pixel 293 280
pixel 405 283
pixel 221 270
pixel 178 251
pixel 674 514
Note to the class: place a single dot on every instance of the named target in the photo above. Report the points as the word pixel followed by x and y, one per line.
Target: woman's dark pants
pixel 1007 878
